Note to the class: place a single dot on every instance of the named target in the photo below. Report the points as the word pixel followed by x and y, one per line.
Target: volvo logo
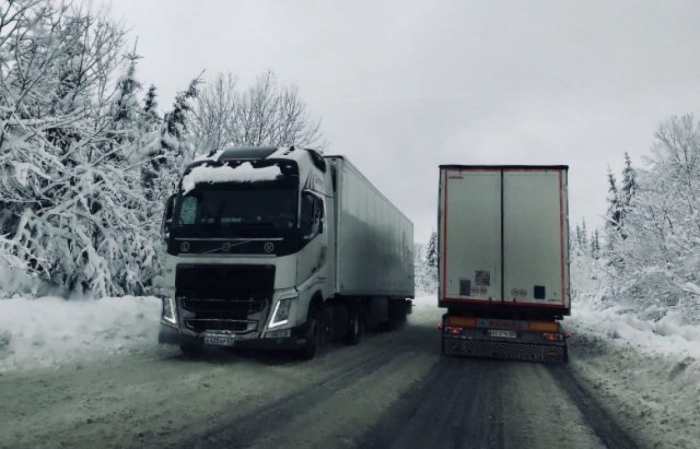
pixel 226 247
pixel 185 246
pixel 269 247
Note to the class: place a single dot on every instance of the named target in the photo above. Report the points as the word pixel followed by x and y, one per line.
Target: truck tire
pixel 396 316
pixel 355 325
pixel 192 350
pixel 314 334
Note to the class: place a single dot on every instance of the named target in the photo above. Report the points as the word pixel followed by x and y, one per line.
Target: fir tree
pixel 613 216
pixel 629 183
pixel 150 106
pixel 166 154
pixel 577 237
pixel 431 254
pixel 595 245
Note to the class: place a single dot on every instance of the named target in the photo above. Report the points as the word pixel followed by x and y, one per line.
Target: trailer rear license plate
pixel 219 340
pixel 502 334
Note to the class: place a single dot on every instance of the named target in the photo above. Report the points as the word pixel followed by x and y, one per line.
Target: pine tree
pixel 431 263
pixel 595 245
pixel 629 187
pixel 629 183
pixel 613 216
pixel 584 234
pixel 168 153
pixel 576 240
pixel 150 106
pixel 126 114
pixel 431 254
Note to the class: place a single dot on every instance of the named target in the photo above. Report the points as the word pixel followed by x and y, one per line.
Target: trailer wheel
pixel 397 316
pixel 355 324
pixel 314 334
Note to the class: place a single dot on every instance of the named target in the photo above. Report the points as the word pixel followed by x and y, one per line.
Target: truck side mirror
pixel 168 216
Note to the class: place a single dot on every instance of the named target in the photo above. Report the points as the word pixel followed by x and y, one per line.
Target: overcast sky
pixel 404 86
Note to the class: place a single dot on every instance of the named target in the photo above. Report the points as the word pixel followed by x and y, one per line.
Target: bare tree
pixel 214 113
pixel 265 114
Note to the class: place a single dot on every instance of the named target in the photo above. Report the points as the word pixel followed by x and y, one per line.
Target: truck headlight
pixel 168 314
pixel 280 316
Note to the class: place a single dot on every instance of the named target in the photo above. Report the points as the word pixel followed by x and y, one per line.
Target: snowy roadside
pixel 649 373
pixel 51 331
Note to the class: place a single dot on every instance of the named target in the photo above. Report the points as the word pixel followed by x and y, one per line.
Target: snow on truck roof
pixel 214 167
pixel 225 173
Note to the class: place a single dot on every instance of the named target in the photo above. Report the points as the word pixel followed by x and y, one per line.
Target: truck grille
pixel 224 297
pixel 200 325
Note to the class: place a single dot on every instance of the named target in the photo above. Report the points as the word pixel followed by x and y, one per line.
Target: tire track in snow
pixel 242 431
pixel 595 415
pixel 457 405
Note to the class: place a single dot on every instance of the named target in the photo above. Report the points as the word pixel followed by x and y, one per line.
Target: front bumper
pixel 172 335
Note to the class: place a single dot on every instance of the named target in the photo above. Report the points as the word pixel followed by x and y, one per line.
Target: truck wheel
pixel 314 335
pixel 394 321
pixel 355 325
pixel 192 350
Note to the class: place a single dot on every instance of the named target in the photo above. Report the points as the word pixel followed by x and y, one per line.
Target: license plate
pixel 502 334
pixel 219 340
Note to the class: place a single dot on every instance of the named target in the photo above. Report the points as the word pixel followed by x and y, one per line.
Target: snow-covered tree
pixel 629 183
pixel 168 154
pixel 71 207
pixel 150 107
pixel 661 270
pixel 431 261
pixel 613 215
pixel 595 245
pixel 431 252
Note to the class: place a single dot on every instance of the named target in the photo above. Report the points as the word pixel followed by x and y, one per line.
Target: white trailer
pixel 281 248
pixel 374 238
pixel 504 260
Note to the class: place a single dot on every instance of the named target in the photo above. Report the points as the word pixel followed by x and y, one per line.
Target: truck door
pixel 535 230
pixel 470 235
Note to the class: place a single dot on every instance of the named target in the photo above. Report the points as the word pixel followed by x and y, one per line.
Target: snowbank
pixel 648 371
pixel 224 173
pixel 51 331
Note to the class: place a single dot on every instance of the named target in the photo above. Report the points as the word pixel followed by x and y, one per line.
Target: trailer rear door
pixel 470 235
pixel 534 237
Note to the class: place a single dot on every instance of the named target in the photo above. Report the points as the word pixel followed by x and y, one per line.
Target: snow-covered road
pixel 392 390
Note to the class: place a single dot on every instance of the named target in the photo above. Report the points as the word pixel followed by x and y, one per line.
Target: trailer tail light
pixel 461 321
pixel 543 326
pixel 553 337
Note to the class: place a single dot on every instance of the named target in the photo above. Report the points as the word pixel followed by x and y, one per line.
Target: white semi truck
pixel 281 248
pixel 503 238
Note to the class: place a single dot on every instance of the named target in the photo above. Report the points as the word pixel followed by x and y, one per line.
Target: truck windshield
pixel 231 211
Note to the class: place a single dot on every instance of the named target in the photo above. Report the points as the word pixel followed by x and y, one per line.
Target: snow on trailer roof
pixel 225 173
